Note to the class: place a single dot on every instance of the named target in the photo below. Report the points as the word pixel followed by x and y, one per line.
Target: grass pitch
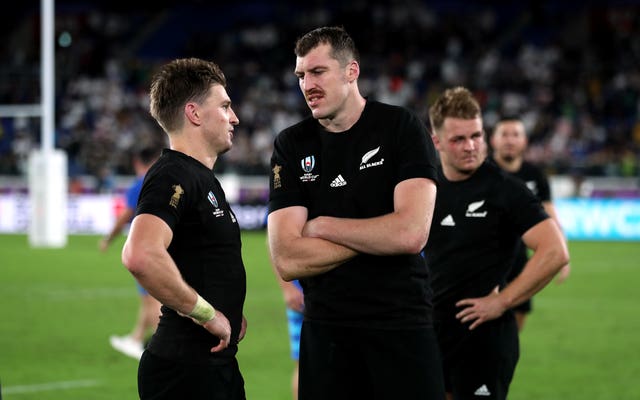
pixel 59 306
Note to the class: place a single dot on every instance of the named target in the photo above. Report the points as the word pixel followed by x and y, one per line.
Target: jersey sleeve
pixel 523 207
pixel 165 195
pixel 416 153
pixel 284 187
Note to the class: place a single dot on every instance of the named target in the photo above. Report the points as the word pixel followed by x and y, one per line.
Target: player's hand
pixel 219 326
pixel 563 274
pixel 481 309
pixel 294 298
pixel 103 244
pixel 311 227
pixel 243 329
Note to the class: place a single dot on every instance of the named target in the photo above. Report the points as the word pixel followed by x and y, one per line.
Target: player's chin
pixel 319 113
pixel 470 165
pixel 226 148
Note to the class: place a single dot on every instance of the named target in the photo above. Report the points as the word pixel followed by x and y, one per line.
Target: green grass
pixel 582 340
pixel 59 306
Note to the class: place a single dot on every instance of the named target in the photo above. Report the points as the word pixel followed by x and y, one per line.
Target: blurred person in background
pixel 509 143
pixel 184 245
pixel 480 215
pixel 351 198
pixel 132 344
pixel 294 301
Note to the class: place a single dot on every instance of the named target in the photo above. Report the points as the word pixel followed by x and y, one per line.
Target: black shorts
pixel 338 362
pixel 159 378
pixel 479 364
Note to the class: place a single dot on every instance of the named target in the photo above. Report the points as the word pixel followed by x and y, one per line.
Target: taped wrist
pixel 202 311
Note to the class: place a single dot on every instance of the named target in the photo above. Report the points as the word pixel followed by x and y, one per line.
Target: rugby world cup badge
pixel 308 163
pixel 217 212
pixel 212 199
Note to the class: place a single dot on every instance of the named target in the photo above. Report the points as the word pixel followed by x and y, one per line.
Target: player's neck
pixel 197 152
pixel 347 117
pixel 457 175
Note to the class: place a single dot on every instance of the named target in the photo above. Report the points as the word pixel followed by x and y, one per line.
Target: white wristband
pixel 202 311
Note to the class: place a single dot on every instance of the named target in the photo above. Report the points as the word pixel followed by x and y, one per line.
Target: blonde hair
pixel 457 102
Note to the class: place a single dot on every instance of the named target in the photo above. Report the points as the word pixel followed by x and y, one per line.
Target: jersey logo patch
pixel 482 391
pixel 448 221
pixel 212 199
pixel 214 202
pixel 308 164
pixel 533 186
pixel 473 208
pixel 338 182
pixel 364 164
pixel 277 183
pixel 178 191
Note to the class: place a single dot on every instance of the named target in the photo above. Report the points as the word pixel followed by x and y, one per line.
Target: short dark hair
pixel 343 47
pixel 177 83
pixel 509 117
pixel 457 102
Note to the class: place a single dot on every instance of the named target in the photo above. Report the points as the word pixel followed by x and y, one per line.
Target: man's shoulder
pixel 299 128
pixel 494 178
pixel 376 107
pixel 491 170
pixel 531 168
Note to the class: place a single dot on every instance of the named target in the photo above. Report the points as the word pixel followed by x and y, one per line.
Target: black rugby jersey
pixel 535 179
pixel 206 247
pixel 476 225
pixel 353 174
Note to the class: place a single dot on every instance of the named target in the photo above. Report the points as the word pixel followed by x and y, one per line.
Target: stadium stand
pixel 569 68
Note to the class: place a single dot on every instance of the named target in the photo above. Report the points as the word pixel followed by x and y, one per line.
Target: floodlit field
pixel 59 306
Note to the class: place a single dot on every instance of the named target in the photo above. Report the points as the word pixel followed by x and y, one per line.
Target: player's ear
pixel 353 70
pixel 191 112
pixel 436 141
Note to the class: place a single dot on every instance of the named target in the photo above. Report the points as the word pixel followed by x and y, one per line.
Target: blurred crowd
pixel 570 69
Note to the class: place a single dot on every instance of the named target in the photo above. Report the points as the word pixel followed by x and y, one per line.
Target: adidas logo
pixel 339 181
pixel 482 391
pixel 448 221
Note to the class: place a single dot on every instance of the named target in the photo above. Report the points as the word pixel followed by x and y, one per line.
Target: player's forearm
pixel 386 235
pixel 121 221
pixel 405 230
pixel 295 258
pixel 158 274
pixel 537 273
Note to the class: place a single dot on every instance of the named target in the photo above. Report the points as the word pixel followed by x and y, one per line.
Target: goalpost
pixel 48 182
pixel 47 166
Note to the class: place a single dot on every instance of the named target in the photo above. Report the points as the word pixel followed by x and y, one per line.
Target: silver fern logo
pixel 367 156
pixel 364 164
pixel 473 207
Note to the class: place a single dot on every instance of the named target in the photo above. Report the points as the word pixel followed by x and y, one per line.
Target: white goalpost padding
pixel 48 187
pixel 48 182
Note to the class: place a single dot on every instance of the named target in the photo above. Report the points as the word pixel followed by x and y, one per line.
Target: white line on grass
pixel 43 387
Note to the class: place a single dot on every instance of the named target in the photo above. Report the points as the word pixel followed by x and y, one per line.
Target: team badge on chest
pixel 308 164
pixel 214 202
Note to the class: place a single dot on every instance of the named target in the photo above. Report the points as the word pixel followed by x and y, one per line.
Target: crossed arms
pixel 300 248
